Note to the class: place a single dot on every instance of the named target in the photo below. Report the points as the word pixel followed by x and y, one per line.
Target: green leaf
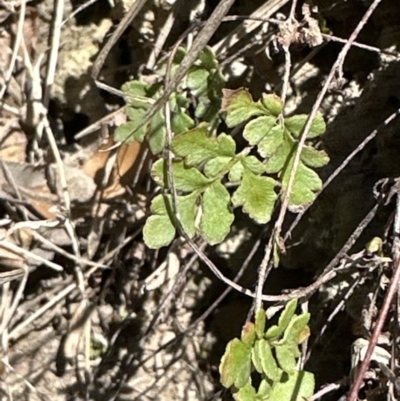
pixel 296 124
pixel 239 106
pixel 313 157
pixel 216 218
pixel 236 172
pixel 134 88
pixel 186 206
pixel 284 320
pixel 297 387
pixel 294 331
pixel 306 183
pixel 256 358
pixel 217 167
pixel 268 363
pixel 127 132
pixel 235 366
pixel 253 164
pixel 256 195
pixel 197 78
pixel 208 59
pixel 157 134
pixel 178 57
pixel 181 122
pixel 246 393
pixel 273 103
pixel 260 323
pixel 286 358
pixel 208 108
pixel 270 143
pixel 264 390
pixel 158 173
pixel 248 335
pixel 181 102
pixel 187 179
pixel 158 230
pixel 258 128
pixel 196 146
pixel 282 155
pixel 140 95
pixel 159 206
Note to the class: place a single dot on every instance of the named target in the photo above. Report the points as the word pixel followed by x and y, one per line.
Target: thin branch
pixel 394 284
pixel 14 55
pixel 78 10
pixel 342 166
pixel 21 251
pixel 326 389
pixel 57 298
pixel 129 16
pixel 17 298
pixel 286 75
pixel 269 8
pixel 292 10
pixel 352 239
pixel 54 47
pixel 163 35
pixel 199 43
pixel 332 315
pixel 275 237
pixel 361 45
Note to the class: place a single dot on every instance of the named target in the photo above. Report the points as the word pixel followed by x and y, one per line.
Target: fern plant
pixel 273 354
pixel 205 168
pixel 206 162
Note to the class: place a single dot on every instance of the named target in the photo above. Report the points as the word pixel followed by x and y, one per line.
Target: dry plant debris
pixel 87 311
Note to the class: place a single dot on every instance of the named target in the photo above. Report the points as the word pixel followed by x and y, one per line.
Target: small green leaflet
pixel 218 166
pixel 196 146
pixel 216 218
pixel 264 390
pixel 263 353
pixel 313 157
pixel 273 103
pixel 235 364
pixel 297 387
pixel 282 154
pixel 239 106
pixel 260 323
pixel 186 178
pixel 296 124
pixel 246 393
pixel 293 333
pixel 265 133
pixel 286 358
pixel 253 164
pixel 256 195
pixel 187 212
pixel 197 80
pixel 127 131
pixel 159 230
pixel 157 134
pixel 306 184
pixel 284 319
pixel 248 335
